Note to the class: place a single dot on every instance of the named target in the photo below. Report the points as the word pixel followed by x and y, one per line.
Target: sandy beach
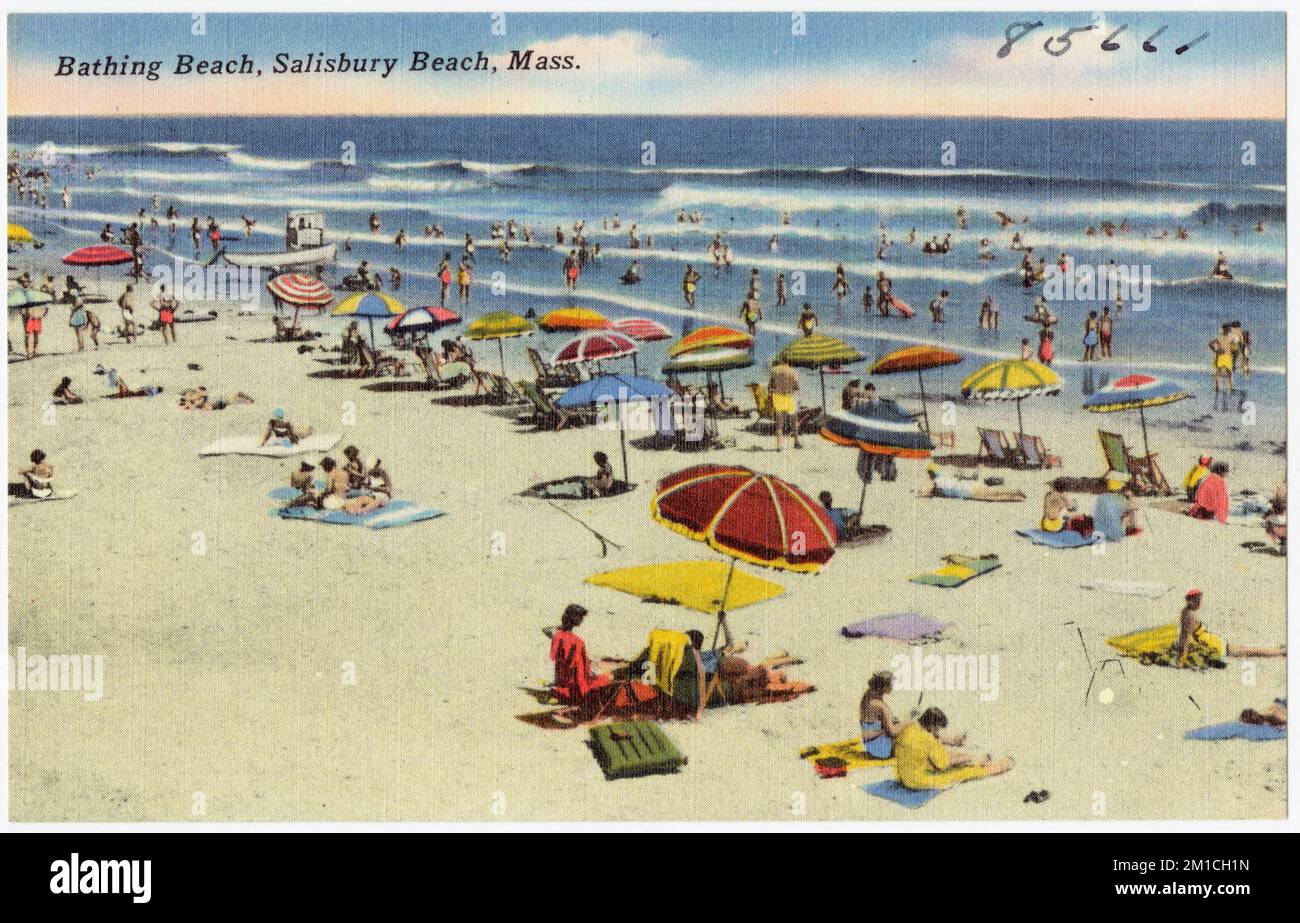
pixel 226 672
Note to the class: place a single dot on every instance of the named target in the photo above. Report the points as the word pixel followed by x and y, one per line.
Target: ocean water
pixel 842 183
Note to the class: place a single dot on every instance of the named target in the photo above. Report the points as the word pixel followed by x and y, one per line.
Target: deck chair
pixel 1035 452
pixel 996 449
pixel 549 376
pixel 805 418
pixel 546 413
pixel 1142 471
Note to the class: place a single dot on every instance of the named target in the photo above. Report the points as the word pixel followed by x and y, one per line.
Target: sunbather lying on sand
pixel 945 485
pixel 925 763
pixel 1274 716
pixel 282 432
pixel 198 399
pixel 123 390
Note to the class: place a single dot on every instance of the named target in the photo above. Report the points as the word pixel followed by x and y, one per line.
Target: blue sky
pixel 664 63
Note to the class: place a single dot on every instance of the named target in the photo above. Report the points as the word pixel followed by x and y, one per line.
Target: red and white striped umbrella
pixel 300 289
pixel 593 347
pixel 643 329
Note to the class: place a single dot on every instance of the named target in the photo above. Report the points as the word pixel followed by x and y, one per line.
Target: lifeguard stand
pixel 304 229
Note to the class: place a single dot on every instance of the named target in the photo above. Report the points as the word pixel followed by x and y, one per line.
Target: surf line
pixel 340 63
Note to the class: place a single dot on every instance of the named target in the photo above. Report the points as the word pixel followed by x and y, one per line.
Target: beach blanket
pixel 1150 590
pixel 834 760
pixel 904 626
pixel 395 513
pixel 1238 729
pixel 1155 647
pixel 897 792
pixel 959 569
pixel 248 445
pixel 1066 538
pixel 57 495
pixel 574 488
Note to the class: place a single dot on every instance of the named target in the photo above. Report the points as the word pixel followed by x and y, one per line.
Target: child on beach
pixel 37 479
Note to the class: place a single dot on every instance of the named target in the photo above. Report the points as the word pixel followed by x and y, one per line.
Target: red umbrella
pixel 98 255
pixel 301 291
pixel 643 329
pixel 593 347
pixel 747 516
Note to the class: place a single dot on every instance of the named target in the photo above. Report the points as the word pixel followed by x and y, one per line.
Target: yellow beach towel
pixel 1155 645
pixel 667 652
pixel 849 752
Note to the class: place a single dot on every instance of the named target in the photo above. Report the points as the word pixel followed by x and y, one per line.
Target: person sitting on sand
pixel 336 485
pixel 282 432
pixel 378 480
pixel 1212 495
pixel 603 482
pixel 37 480
pixel 923 762
pixel 304 481
pixel 945 485
pixel 847 521
pixel 1195 475
pixel 1055 506
pixel 1115 515
pixel 879 727
pixel 1275 518
pixel 574 678
pixel 1198 647
pixel 64 395
pixel 355 467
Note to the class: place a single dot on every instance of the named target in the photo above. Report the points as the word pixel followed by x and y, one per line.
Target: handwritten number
pixel 1194 41
pixel 1109 44
pixel 1150 48
pixel 1064 39
pixel 1024 27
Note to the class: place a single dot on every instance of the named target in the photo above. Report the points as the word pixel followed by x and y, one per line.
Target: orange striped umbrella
pixel 573 318
pixel 711 337
pixel 916 359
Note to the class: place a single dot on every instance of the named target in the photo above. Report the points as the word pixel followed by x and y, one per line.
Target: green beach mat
pixel 626 749
pixel 958 570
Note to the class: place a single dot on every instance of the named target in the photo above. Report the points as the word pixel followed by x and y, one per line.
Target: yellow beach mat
pixel 694 584
pixel 848 754
pixel 1155 645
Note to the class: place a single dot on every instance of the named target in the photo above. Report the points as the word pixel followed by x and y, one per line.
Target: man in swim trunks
pixel 783 386
pixel 166 306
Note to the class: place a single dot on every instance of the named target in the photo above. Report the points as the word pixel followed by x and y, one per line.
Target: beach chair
pixel 546 413
pixel 805 417
pixel 1035 452
pixel 996 448
pixel 1142 471
pixel 549 376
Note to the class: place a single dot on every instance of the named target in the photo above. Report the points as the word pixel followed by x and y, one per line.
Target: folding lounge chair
pixel 996 448
pixel 805 418
pixel 1142 470
pixel 1035 452
pixel 549 376
pixel 546 412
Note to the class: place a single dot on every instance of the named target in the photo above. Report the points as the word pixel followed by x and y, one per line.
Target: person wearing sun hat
pixel 284 433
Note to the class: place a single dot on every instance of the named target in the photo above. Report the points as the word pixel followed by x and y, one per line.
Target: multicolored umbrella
pixel 98 255
pixel 573 319
pixel 594 347
pixel 369 305
pixel 20 298
pixel 499 325
pixel 711 338
pixel 20 235
pixel 422 320
pixel 617 390
pixel 1136 392
pixel 878 427
pixel 816 352
pixel 747 516
pixel 1011 380
pixel 710 360
pixel 300 290
pixel 643 329
pixel 916 359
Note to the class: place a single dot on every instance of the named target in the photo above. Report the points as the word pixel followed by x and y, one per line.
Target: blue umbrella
pixel 616 390
pixel 878 427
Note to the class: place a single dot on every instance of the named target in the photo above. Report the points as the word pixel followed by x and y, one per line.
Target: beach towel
pixel 1238 729
pixel 834 760
pixel 626 749
pixel 1155 647
pixel 395 513
pixel 897 792
pixel 959 569
pixel 1150 590
pixel 249 445
pixel 667 651
pixel 904 626
pixel 1066 538
pixel 57 495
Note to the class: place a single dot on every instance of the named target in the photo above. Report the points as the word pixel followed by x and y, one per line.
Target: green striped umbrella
pixel 817 352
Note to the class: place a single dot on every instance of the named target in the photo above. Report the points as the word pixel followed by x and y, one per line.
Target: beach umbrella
pixel 20 235
pixel 422 320
pixel 595 347
pixel 693 584
pixel 301 291
pixel 816 352
pixel 711 338
pixel 617 390
pixel 499 325
pixel 710 360
pixel 20 298
pixel 1136 392
pixel 369 305
pixel 916 359
pixel 747 516
pixel 643 329
pixel 1011 380
pixel 98 256
pixel 573 319
pixel 878 427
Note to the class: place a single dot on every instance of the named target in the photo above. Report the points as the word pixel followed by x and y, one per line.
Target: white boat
pixel 304 238
pixel 284 259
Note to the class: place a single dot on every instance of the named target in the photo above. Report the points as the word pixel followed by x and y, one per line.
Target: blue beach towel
pixel 1066 538
pixel 897 792
pixel 394 513
pixel 1238 729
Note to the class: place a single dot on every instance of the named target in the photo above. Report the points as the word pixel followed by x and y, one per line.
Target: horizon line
pixel 642 115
